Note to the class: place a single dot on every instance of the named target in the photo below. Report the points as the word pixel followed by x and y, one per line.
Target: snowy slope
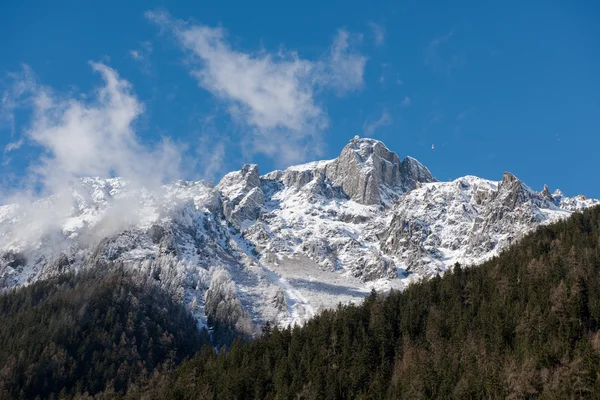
pixel 282 246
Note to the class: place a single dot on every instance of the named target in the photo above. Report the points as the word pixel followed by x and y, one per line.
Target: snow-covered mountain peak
pixel 285 244
pixel 369 173
pixel 365 149
pixel 512 192
pixel 240 182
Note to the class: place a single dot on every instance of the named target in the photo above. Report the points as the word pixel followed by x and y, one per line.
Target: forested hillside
pixel 97 331
pixel 522 325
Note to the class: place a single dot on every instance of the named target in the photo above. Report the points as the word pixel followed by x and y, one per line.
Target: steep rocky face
pixel 412 173
pixel 243 197
pixel 369 173
pixel 512 193
pixel 467 220
pixel 362 168
pixel 281 246
pixel 546 193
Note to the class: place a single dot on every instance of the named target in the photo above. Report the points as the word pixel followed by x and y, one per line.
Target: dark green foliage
pixel 522 325
pixel 96 331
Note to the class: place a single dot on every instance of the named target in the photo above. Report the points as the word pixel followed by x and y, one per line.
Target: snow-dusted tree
pixel 224 310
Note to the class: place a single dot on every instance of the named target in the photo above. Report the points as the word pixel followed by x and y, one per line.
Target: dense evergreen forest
pixel 522 325
pixel 96 331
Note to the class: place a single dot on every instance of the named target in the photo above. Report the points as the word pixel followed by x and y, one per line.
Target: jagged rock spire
pixel 366 166
pixel 546 193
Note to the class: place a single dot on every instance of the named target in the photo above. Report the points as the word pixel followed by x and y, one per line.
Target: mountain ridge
pixel 281 246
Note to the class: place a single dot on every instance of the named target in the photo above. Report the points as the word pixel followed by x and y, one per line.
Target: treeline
pixel 523 325
pixel 98 331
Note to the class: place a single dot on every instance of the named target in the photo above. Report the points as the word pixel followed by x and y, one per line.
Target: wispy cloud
pixel 11 146
pixel 89 135
pixel 212 154
pixel 369 127
pixel 385 72
pixel 12 96
pixel 141 55
pixel 406 102
pixel 273 96
pixel 378 33
pixel 440 62
pixel 143 52
pixel 212 150
pixel 344 67
pixel 80 135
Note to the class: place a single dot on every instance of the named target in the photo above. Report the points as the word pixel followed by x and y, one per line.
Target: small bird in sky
pixel 432 147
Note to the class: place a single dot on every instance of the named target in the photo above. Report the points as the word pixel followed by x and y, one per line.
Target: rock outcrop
pixel 369 173
pixel 243 197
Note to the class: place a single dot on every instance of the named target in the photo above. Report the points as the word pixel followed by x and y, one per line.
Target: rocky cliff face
pixel 281 246
pixel 241 194
pixel 368 172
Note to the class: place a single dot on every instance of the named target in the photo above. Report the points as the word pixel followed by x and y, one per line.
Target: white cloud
pixel 211 152
pixel 91 137
pixel 13 146
pixel 378 33
pixel 369 127
pixel 343 70
pixel 271 95
pixel 213 157
pixel 143 52
pixel 82 135
pixel 406 102
pixel 135 54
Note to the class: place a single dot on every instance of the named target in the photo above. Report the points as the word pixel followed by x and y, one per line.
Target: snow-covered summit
pixel 284 244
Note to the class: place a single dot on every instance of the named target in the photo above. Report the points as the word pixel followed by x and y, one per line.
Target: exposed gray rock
pixel 546 194
pixel 14 259
pixel 156 233
pixel 278 300
pixel 372 266
pixel 297 179
pixel 511 191
pixel 238 182
pixel 367 171
pixel 248 209
pixel 413 173
pixel 470 215
pixel 243 197
pixel 362 167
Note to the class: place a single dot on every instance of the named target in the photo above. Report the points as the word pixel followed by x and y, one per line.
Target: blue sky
pixel 196 89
